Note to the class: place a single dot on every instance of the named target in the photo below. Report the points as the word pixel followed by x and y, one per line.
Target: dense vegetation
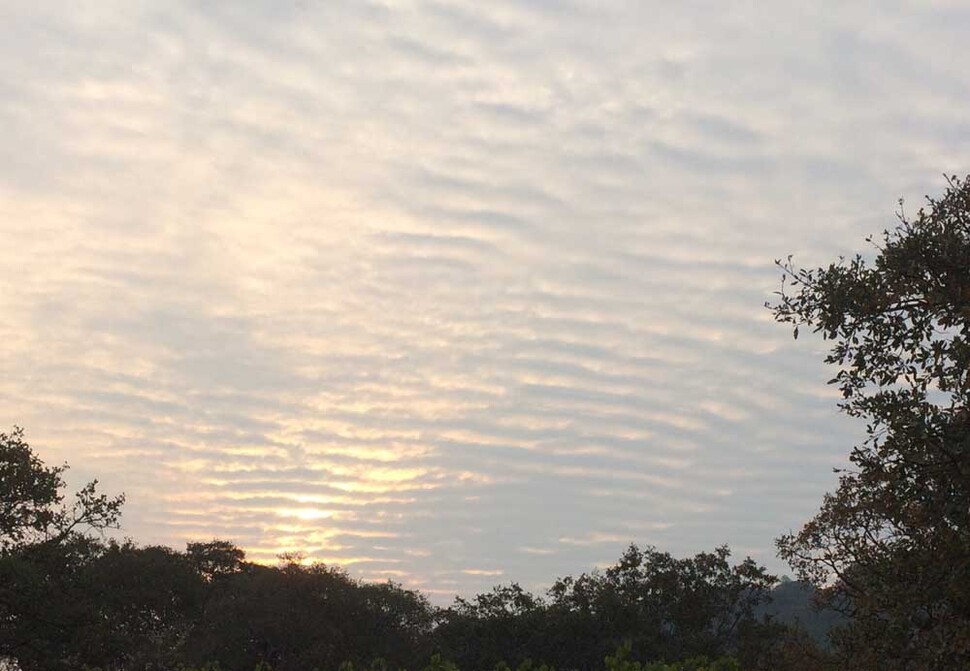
pixel 889 549
pixel 69 600
pixel 891 546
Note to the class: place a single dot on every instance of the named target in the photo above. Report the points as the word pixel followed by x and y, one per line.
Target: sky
pixel 450 293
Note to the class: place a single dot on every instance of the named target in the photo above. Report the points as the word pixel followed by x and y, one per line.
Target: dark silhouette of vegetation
pixel 891 546
pixel 70 599
pixel 32 512
pixel 664 608
pixel 45 554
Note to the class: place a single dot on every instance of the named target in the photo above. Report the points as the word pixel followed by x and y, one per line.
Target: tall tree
pixel 32 508
pixel 891 546
pixel 45 549
pixel 663 607
pixel 296 617
pixel 667 608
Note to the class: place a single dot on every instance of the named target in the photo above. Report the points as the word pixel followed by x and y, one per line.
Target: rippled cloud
pixel 443 292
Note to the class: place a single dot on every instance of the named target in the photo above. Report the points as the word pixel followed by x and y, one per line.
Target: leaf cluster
pixel 891 546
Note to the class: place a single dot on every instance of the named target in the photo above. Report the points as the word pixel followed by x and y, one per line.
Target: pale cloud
pixel 449 292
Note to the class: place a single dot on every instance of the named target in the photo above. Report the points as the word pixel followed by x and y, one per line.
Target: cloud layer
pixel 445 292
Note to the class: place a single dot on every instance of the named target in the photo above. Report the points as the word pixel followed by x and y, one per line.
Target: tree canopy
pixel 31 499
pixel 71 599
pixel 891 546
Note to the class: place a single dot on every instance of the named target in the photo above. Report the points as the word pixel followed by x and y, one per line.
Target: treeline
pixel 70 600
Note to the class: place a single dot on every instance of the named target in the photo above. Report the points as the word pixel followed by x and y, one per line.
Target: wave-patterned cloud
pixel 445 292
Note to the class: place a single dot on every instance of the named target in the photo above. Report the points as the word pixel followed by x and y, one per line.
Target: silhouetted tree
pixel 665 608
pixel 506 625
pixel 215 560
pixel 43 605
pixel 295 617
pixel 45 545
pixel 891 546
pixel 71 600
pixel 144 603
pixel 31 500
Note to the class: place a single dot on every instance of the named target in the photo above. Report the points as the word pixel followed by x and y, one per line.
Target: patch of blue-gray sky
pixel 451 293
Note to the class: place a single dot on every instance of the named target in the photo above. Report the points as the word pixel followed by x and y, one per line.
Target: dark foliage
pixel 664 608
pixel 118 606
pixel 71 600
pixel 891 546
pixel 297 617
pixel 45 553
pixel 31 501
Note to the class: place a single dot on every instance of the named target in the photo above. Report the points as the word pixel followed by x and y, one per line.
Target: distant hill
pixel 793 602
